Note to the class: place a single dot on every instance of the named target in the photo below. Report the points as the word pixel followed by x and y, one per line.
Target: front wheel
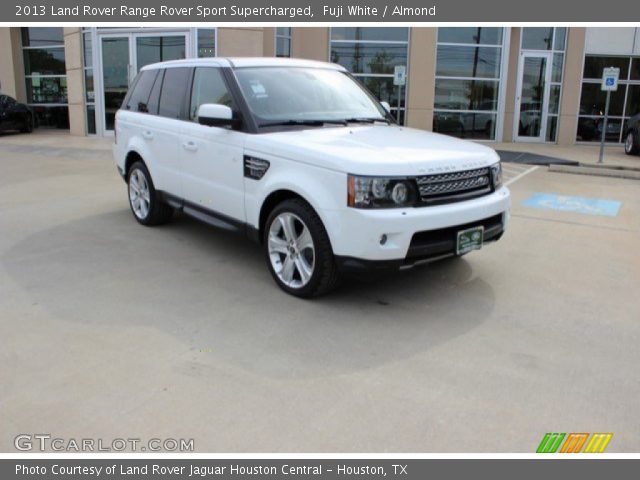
pixel 632 144
pixel 298 250
pixel 147 208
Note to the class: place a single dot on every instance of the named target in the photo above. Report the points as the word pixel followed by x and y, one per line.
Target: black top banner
pixel 325 11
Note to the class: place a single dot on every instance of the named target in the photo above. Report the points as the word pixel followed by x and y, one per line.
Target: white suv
pixel 302 158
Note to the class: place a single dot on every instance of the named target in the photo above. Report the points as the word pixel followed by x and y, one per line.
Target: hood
pixel 374 150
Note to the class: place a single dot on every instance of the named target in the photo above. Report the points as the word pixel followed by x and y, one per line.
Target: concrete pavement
pixel 110 329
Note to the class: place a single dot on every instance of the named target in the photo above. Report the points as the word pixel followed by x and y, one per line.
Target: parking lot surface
pixel 110 329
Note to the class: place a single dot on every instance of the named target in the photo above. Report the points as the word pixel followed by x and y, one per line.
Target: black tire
pixel 27 124
pixel 325 276
pixel 632 143
pixel 158 212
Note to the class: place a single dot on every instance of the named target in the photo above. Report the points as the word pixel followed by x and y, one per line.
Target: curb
pixel 615 172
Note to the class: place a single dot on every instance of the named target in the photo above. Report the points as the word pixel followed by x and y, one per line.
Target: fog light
pixel 383 239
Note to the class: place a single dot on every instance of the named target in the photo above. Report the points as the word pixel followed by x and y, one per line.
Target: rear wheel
pixel 298 251
pixel 145 203
pixel 632 143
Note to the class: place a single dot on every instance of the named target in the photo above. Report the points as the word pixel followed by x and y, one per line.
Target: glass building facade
pixel 371 55
pixel 530 84
pixel 468 81
pixel 46 75
pixel 283 42
pixel 625 102
pixel 543 51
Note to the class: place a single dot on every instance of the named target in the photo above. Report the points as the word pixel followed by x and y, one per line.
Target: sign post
pixel 610 78
pixel 399 80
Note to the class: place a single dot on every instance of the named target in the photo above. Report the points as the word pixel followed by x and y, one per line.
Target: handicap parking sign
pixel 610 78
pixel 566 203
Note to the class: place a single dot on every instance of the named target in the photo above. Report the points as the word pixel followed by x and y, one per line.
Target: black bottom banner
pixel 321 469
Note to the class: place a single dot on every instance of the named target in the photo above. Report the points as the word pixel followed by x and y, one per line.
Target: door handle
pixel 191 146
pixel 147 134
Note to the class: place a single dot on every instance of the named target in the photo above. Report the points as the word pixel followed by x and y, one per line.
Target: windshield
pixel 294 94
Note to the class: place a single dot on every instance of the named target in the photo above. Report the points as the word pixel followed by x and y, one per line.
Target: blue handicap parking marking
pixel 565 203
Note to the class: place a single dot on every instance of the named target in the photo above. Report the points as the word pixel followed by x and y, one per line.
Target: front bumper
pixel 426 246
pixel 413 234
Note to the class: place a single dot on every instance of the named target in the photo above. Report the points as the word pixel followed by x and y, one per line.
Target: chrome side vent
pixel 255 168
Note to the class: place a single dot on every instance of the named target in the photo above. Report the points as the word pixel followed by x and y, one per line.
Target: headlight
pixel 380 192
pixel 496 175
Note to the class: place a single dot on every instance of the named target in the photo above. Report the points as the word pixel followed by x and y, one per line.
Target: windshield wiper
pixel 366 120
pixel 312 123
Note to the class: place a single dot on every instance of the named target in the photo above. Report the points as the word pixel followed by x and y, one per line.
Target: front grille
pixel 451 187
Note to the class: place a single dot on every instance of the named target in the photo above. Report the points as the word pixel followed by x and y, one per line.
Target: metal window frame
pixel 45 76
pixel 286 37
pixel 485 45
pixel 504 47
pixel 400 42
pixel 553 41
pixel 58 46
pixel 475 79
pixel 629 57
pixel 97 34
pixel 628 82
pixel 87 32
pixel 468 44
pixel 196 45
pixel 406 43
pixel 44 47
pixel 31 76
pixel 48 104
pixel 453 110
pixel 552 52
pixel 37 104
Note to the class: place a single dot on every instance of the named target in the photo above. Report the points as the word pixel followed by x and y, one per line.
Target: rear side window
pixel 139 99
pixel 174 88
pixel 154 98
pixel 208 87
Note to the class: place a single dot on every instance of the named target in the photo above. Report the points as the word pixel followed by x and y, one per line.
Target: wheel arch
pixel 132 157
pixel 274 199
pixel 278 196
pixel 136 149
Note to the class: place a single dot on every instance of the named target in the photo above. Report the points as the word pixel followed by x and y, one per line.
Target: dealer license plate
pixel 469 239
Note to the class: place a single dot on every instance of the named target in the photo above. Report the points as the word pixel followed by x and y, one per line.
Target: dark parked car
pixel 14 115
pixel 632 136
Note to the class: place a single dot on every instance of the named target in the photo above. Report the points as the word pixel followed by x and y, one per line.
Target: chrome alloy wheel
pixel 139 195
pixel 291 250
pixel 628 144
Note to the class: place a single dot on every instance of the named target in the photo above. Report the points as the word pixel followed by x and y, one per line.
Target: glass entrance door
pixel 533 97
pixel 123 55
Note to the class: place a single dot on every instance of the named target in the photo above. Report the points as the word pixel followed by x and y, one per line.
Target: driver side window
pixel 208 87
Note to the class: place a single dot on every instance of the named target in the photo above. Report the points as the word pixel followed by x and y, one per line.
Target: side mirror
pixel 215 115
pixel 386 106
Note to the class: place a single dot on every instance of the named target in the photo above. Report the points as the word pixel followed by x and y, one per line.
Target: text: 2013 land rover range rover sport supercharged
pixel 301 157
